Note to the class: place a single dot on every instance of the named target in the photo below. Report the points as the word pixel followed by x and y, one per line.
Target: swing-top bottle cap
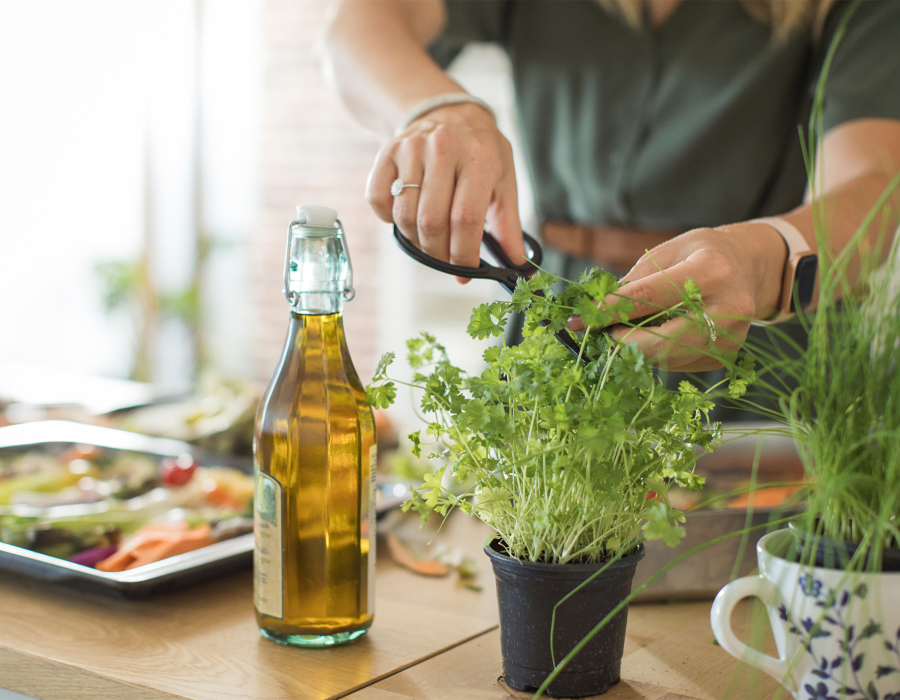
pixel 318 276
pixel 316 216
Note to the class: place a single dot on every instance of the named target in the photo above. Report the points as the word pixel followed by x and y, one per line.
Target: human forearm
pixel 857 169
pixel 373 53
pixel 741 274
pixel 840 211
pixel 460 165
pixel 857 176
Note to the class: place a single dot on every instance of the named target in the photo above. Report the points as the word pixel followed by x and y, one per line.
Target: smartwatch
pixel 799 280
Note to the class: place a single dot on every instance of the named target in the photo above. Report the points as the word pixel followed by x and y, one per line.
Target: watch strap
pixel 798 280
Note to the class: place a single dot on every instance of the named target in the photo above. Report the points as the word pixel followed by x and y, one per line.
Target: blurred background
pixel 151 157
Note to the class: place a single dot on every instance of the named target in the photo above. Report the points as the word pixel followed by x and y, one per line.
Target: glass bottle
pixel 314 454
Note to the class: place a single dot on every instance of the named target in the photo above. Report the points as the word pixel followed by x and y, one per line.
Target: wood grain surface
pixel 202 642
pixel 433 638
pixel 669 655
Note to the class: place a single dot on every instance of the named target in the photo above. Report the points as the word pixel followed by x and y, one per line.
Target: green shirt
pixel 692 124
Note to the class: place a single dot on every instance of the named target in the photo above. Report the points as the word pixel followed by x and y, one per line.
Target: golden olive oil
pixel 314 451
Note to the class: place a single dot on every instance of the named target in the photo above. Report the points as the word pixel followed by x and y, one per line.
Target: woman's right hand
pixel 465 168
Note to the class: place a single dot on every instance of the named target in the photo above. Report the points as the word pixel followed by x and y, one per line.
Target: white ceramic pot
pixel 837 634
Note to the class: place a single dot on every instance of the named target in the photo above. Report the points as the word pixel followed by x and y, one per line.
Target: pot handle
pixel 720 618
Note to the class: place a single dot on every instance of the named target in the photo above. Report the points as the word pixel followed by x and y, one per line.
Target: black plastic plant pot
pixel 527 593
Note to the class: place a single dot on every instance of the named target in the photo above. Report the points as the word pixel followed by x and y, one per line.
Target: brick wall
pixel 311 153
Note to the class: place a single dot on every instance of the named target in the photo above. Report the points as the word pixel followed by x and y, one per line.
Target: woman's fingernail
pixel 575 323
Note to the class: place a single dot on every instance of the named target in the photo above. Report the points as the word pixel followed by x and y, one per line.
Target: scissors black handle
pixel 507 275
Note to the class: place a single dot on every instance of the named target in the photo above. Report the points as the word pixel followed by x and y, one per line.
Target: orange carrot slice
pixel 768 497
pixel 156 541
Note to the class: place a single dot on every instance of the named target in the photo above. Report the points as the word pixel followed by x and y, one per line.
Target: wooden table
pixel 432 638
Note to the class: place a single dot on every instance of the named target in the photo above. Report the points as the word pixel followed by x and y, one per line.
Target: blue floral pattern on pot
pixel 840 673
pixel 837 633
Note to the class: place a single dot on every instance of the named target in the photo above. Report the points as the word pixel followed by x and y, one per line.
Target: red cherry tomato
pixel 177 471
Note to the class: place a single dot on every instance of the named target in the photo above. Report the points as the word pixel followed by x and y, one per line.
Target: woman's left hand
pixel 738 270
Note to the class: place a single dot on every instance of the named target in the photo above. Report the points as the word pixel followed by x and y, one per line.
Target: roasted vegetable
pixel 79 505
pixel 156 541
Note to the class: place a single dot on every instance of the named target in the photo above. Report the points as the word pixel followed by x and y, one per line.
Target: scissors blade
pixel 507 273
pixel 565 337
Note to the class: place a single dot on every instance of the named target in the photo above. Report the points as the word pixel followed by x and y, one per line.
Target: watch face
pixel 804 281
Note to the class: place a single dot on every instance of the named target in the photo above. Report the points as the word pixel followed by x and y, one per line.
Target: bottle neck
pixel 323 316
pixel 316 332
pixel 317 271
pixel 317 304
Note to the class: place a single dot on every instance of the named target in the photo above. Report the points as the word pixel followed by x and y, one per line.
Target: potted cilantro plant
pixel 572 462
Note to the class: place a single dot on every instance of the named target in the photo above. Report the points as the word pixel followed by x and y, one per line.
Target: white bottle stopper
pixel 316 216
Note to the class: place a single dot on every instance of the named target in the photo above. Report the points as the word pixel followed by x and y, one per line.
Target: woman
pixel 663 125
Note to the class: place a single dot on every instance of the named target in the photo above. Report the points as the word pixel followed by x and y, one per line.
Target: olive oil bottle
pixel 314 454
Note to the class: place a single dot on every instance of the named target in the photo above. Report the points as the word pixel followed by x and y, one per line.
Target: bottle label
pixel 267 555
pixel 373 490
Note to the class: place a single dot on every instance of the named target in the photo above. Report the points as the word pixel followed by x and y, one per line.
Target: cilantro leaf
pixel 383 364
pixel 591 314
pixel 521 296
pixel 488 320
pixel 381 396
pixel 740 376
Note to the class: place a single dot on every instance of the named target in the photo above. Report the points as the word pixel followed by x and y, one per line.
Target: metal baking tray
pixel 56 435
pixel 701 575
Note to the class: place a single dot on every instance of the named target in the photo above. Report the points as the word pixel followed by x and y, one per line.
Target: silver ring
pixel 711 327
pixel 397 186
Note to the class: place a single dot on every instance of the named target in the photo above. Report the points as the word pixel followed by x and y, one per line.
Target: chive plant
pixel 844 408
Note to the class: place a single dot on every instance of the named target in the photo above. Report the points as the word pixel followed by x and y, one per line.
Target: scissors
pixel 507 273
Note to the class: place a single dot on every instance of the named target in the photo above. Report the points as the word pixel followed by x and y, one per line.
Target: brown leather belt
pixel 615 248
